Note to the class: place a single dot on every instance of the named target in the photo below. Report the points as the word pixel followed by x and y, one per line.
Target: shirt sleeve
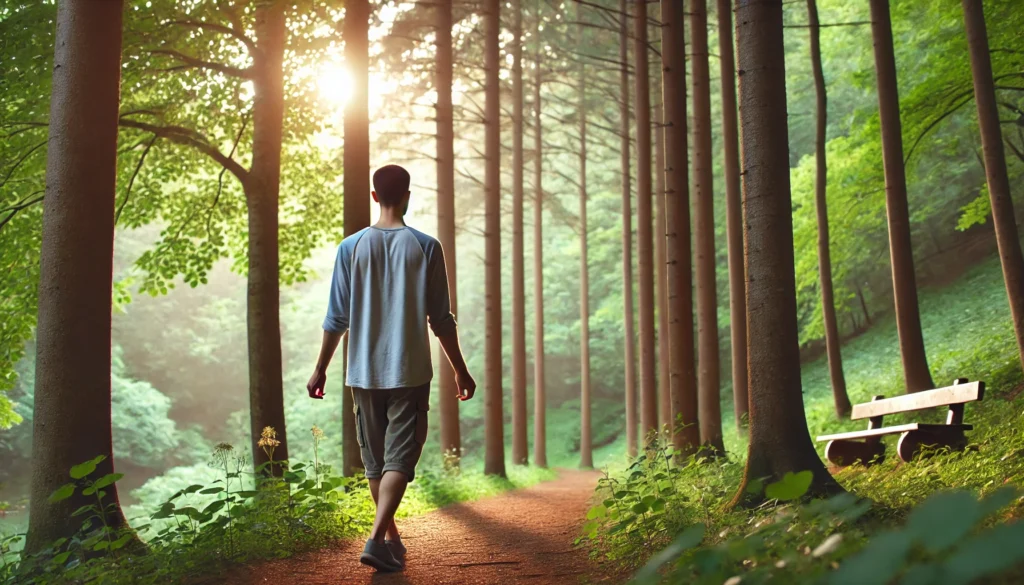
pixel 439 305
pixel 338 302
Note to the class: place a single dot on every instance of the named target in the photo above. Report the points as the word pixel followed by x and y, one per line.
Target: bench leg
pixel 843 453
pixel 912 443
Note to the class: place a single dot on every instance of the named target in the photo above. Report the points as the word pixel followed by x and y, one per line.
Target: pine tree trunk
pixel 661 278
pixel 627 240
pixel 1003 217
pixel 266 386
pixel 733 215
pixel 586 451
pixel 520 449
pixel 540 452
pixel 72 420
pixel 779 441
pixel 828 307
pixel 686 428
pixel 904 281
pixel 356 179
pixel 645 241
pixel 494 436
pixel 708 376
pixel 451 436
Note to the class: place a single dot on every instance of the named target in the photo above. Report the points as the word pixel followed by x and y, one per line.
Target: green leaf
pixel 943 519
pixel 63 492
pixel 640 508
pixel 121 542
pixel 598 511
pixel 61 558
pixel 213 490
pixel 82 510
pixel 989 553
pixel 84 469
pixel 109 479
pixel 791 487
pixel 214 507
pixel 688 539
pixel 246 494
pixel 877 562
pixel 192 489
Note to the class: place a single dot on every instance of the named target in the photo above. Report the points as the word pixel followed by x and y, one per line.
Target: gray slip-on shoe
pixel 397 549
pixel 379 557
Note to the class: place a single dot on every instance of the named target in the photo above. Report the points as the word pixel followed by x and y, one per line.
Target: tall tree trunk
pixel 661 278
pixel 828 307
pixel 356 179
pixel 733 215
pixel 864 306
pixel 904 281
pixel 995 166
pixel 494 435
pixel 266 386
pixel 520 448
pixel 540 451
pixel 708 376
pixel 779 441
pixel 627 238
pixel 72 421
pixel 686 428
pixel 645 242
pixel 586 444
pixel 451 436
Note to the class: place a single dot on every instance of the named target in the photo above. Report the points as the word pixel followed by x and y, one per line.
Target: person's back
pixel 389 285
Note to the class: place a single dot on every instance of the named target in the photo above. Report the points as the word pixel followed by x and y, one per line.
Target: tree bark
pixel 520 449
pixel 356 179
pixel 904 281
pixel 72 421
pixel 661 276
pixel 828 307
pixel 708 376
pixel 733 215
pixel 686 428
pixel 266 386
pixel 451 436
pixel 645 242
pixel 779 441
pixel 629 342
pixel 494 438
pixel 540 453
pixel 586 443
pixel 1007 237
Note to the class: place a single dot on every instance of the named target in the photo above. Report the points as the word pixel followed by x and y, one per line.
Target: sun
pixel 334 84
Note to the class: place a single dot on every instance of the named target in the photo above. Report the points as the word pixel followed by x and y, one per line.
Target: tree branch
pixel 188 137
pixel 230 31
pixel 190 62
pixel 24 203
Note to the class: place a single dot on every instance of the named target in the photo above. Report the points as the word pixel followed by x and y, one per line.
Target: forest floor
pixel 521 536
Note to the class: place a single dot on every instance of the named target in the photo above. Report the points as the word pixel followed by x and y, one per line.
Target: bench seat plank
pixel 895 430
pixel 957 394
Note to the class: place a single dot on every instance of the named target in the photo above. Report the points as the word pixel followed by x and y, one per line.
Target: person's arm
pixel 442 322
pixel 335 323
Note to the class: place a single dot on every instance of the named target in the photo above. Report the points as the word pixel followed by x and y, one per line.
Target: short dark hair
pixel 391 182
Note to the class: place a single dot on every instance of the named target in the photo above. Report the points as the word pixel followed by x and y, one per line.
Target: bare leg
pixel 392 532
pixel 390 490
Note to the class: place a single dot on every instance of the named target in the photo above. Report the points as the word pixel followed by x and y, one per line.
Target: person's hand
pixel 316 384
pixel 466 385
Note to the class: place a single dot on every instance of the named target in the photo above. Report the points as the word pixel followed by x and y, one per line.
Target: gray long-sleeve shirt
pixel 388 285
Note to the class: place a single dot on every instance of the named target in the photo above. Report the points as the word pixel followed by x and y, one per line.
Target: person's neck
pixel 390 218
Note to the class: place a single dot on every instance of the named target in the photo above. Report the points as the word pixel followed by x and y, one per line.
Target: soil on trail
pixel 522 536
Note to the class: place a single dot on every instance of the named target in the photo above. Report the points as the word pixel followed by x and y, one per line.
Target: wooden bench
pixel 866 446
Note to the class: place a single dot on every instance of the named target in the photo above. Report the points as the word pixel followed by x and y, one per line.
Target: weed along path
pixel 522 536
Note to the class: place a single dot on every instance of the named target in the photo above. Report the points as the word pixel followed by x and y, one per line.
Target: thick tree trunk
pixel 708 376
pixel 629 332
pixel 779 441
pixel 72 421
pixel 451 436
pixel 520 448
pixel 494 436
pixel 266 386
pixel 686 429
pixel 828 308
pixel 1003 217
pixel 733 215
pixel 661 275
pixel 356 179
pixel 586 443
pixel 645 241
pixel 540 450
pixel 904 281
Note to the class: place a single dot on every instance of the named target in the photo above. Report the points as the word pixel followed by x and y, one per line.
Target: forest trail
pixel 521 536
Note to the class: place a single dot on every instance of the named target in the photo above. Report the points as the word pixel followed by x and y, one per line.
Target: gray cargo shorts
pixel 391 427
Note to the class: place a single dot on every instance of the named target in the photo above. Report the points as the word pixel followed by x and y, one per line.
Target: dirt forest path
pixel 522 536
